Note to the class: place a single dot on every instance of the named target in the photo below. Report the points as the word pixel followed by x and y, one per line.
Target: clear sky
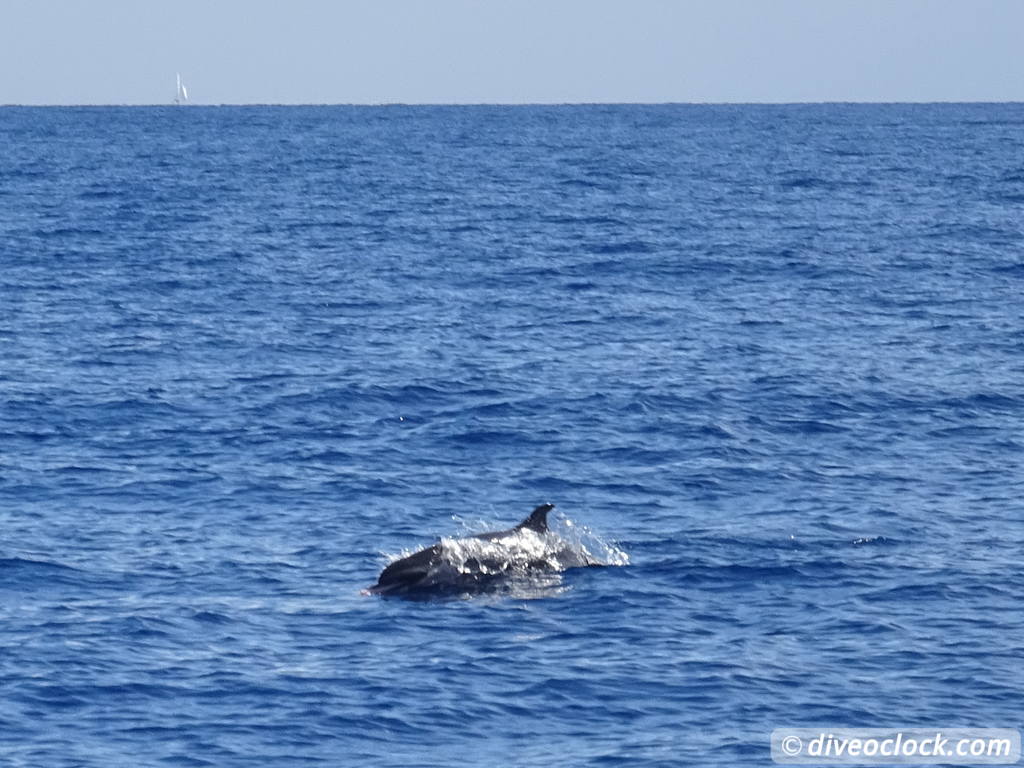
pixel 510 51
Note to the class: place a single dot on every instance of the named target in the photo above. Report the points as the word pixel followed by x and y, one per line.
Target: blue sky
pixel 513 51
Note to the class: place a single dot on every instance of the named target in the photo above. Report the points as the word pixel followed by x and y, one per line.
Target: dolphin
pixel 477 563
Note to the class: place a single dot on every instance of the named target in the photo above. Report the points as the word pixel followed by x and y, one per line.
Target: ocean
pixel 770 357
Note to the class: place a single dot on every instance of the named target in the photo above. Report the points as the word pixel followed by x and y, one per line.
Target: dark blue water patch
pixel 799 182
pixel 1015 270
pixel 19 572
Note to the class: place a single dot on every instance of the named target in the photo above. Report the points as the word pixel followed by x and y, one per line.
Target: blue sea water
pixel 773 354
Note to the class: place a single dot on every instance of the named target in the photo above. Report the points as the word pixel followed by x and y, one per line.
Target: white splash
pixel 520 562
pixel 598 550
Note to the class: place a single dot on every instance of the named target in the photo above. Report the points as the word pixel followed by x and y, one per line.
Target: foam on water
pixel 592 547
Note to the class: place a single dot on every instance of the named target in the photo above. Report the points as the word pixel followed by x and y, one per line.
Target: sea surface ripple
pixel 775 354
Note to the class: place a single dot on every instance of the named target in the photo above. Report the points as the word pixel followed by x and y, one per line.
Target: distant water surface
pixel 775 354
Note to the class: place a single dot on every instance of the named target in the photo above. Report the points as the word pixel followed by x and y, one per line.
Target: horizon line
pixel 512 103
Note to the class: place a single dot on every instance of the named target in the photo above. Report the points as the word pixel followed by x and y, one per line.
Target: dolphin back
pixel 432 568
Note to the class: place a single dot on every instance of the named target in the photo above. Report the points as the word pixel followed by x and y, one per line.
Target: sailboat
pixel 181 96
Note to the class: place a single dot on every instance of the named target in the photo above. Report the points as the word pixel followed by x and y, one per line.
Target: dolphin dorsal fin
pixel 538 519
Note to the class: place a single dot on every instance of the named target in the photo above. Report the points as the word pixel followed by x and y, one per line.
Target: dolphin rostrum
pixel 478 562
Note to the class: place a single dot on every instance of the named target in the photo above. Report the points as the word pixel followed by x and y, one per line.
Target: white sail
pixel 181 95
